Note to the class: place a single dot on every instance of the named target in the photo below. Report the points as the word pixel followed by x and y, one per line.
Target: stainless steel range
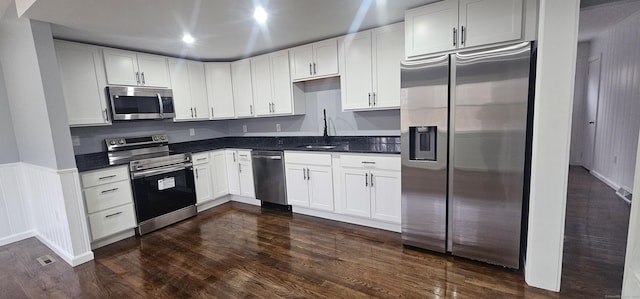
pixel 163 185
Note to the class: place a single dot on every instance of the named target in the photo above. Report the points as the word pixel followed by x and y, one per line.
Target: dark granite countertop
pixel 344 144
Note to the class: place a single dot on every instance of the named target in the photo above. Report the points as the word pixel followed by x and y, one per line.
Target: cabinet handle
pixel 455 36
pixel 371 179
pixel 110 190
pixel 374 99
pixel 234 157
pixel 251 109
pixel 314 68
pixel 304 174
pixel 195 111
pixel 463 36
pixel 137 77
pixel 366 179
pixel 143 82
pixel 201 159
pixel 191 112
pixel 211 111
pixel 368 162
pixel 308 174
pixel 310 70
pixel 197 177
pixel 239 167
pixel 369 99
pixel 107 177
pixel 111 215
pixel 106 115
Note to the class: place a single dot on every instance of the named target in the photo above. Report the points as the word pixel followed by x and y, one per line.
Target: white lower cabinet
pixel 218 163
pixel 240 172
pixel 202 177
pixel 370 187
pixel 309 180
pixel 109 202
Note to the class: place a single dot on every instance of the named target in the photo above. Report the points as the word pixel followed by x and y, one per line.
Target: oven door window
pixel 157 195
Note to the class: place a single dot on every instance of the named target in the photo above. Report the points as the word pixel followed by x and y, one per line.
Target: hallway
pixel 595 237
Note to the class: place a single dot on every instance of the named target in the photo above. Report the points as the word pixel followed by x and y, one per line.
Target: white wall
pixel 619 106
pixel 558 39
pixel 8 148
pixel 15 223
pixel 579 104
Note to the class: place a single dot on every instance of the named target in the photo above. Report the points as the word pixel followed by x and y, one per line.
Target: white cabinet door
pixel 198 90
pixel 388 52
pixel 301 60
pixel 385 195
pixel 356 196
pixel 233 176
pixel 83 82
pixel 246 180
pixel 490 21
pixel 261 82
pixel 219 90
pixel 179 72
pixel 325 58
pixel 281 83
pixel 357 71
pixel 242 88
pixel 430 28
pixel 202 175
pixel 153 70
pixel 121 67
pixel 297 187
pixel 219 177
pixel 320 179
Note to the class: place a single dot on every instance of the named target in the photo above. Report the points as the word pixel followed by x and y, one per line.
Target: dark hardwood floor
pixel 595 240
pixel 236 251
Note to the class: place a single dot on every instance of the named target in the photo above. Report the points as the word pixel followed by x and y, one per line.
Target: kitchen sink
pixel 313 146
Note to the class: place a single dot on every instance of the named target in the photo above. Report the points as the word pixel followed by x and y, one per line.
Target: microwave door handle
pixel 161 106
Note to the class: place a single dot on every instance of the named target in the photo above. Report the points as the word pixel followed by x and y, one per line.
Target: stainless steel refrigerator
pixel 464 126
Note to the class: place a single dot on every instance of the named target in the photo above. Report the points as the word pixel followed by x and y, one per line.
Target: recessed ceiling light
pixel 260 15
pixel 187 38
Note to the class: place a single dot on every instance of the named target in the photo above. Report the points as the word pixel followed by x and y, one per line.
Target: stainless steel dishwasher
pixel 268 176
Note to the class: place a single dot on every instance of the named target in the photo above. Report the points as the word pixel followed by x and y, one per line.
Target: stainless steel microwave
pixel 131 103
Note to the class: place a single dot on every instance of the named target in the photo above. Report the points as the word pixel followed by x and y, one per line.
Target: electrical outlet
pixel 192 132
pixel 244 128
pixel 277 127
pixel 75 140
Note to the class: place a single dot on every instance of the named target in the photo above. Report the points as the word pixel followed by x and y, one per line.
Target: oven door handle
pixel 162 170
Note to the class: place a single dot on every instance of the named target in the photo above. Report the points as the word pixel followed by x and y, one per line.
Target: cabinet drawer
pixel 308 159
pixel 107 196
pixel 200 158
pixel 111 221
pixel 103 176
pixel 371 161
pixel 244 155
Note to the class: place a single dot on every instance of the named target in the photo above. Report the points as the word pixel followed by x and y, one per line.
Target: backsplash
pixel 319 95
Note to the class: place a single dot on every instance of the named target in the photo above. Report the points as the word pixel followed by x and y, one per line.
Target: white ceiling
pixel 224 29
pixel 596 19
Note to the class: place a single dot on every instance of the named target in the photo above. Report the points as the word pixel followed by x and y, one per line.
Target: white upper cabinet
pixel 489 21
pixel 83 82
pixel 371 68
pixel 317 60
pixel 272 84
pixel 456 24
pixel 136 69
pixel 189 89
pixel 219 90
pixel 242 88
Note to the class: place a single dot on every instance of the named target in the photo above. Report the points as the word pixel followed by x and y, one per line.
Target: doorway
pixel 591 111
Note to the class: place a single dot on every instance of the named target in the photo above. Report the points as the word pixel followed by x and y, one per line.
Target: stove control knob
pixel 163 137
pixel 155 138
pixel 121 141
pixel 112 142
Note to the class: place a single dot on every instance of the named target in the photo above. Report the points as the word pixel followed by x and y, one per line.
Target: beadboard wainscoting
pixel 15 223
pixel 53 200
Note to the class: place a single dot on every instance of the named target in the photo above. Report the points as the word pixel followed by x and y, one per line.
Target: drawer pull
pixel 201 159
pixel 110 190
pixel 113 215
pixel 107 177
pixel 368 162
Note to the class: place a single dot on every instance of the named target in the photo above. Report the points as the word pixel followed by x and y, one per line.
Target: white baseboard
pixel 16 237
pixel 605 180
pixel 213 203
pixel 394 227
pixel 67 257
pixel 247 200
